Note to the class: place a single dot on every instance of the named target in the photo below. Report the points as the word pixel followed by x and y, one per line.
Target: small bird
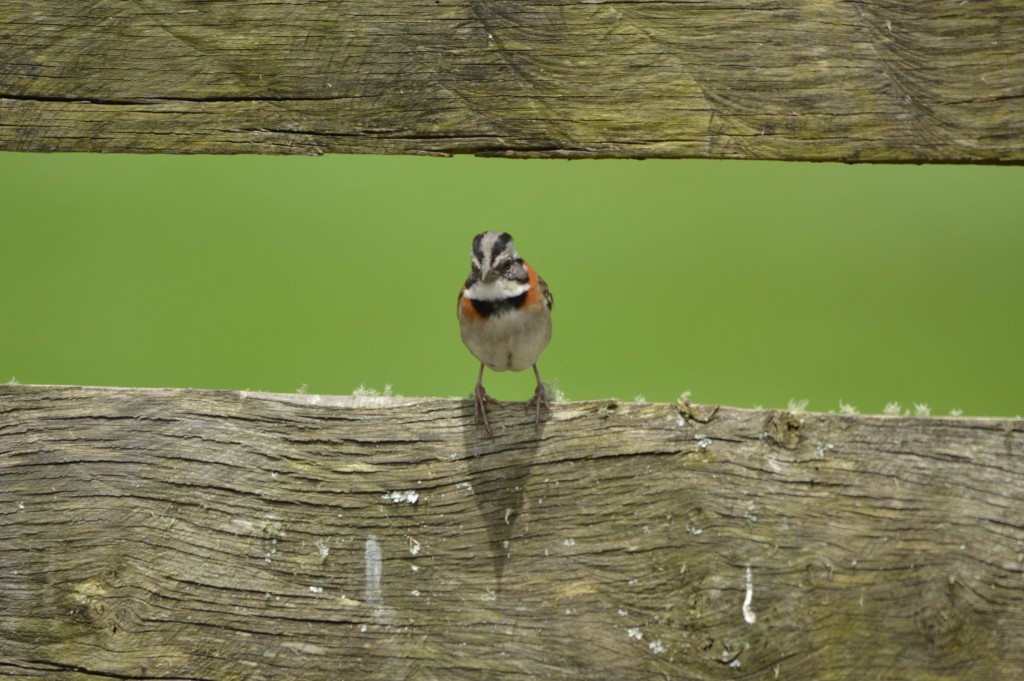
pixel 504 315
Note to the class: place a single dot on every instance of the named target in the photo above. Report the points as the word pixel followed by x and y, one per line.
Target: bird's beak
pixel 489 276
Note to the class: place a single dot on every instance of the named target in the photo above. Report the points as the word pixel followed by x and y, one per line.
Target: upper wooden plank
pixel 830 80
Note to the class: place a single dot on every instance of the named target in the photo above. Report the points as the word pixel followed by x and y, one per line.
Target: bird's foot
pixel 481 398
pixel 538 399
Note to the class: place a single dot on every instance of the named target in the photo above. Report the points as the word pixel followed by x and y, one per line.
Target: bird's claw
pixel 480 399
pixel 538 399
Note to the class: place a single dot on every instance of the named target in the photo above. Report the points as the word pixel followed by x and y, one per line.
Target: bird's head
pixel 497 270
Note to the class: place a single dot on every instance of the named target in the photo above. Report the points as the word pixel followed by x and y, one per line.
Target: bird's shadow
pixel 498 468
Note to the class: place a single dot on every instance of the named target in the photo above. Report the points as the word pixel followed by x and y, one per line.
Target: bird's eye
pixel 507 265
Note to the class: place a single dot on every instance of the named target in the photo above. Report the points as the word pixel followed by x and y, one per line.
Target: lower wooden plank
pixel 182 534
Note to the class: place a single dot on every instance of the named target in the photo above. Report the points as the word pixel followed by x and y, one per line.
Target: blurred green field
pixel 747 283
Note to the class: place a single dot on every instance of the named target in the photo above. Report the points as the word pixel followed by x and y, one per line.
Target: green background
pixel 747 283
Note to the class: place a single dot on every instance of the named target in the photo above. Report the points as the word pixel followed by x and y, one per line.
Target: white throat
pixel 500 289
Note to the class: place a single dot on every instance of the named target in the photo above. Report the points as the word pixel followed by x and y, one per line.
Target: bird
pixel 504 316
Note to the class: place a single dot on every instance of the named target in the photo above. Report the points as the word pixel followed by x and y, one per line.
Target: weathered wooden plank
pixel 219 535
pixel 842 80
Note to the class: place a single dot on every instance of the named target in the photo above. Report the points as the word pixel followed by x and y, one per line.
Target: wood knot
pixel 87 601
pixel 701 413
pixel 98 604
pixel 783 429
pixel 953 621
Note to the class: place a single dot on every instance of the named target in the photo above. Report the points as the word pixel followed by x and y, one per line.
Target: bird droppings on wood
pixel 374 571
pixel 749 616
pixel 408 497
pixel 268 555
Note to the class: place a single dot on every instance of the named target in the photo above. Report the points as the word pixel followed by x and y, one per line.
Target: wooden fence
pixel 830 80
pixel 185 534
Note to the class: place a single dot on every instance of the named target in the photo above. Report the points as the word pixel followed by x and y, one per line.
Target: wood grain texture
pixel 840 80
pixel 183 534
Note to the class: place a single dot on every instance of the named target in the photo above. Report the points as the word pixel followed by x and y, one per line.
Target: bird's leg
pixel 480 397
pixel 538 396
